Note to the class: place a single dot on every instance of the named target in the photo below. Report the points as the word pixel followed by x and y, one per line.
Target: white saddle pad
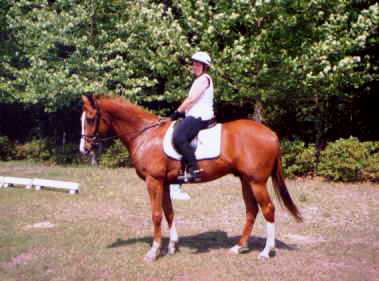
pixel 208 145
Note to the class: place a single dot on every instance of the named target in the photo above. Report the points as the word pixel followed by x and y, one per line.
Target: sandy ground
pixel 103 232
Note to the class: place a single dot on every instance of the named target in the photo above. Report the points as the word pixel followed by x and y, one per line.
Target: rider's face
pixel 197 68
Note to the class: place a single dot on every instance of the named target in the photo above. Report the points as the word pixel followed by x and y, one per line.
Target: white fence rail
pixel 38 184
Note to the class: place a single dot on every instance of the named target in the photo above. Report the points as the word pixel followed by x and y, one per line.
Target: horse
pixel 250 151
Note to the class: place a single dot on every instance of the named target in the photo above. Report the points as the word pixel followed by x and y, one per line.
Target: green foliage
pixel 308 61
pixel 371 170
pixel 72 48
pixel 344 160
pixel 46 151
pixel 298 160
pixel 6 148
pixel 66 154
pixel 37 149
pixel 263 50
pixel 116 155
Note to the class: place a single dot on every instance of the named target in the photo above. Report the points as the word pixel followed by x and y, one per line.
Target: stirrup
pixel 193 176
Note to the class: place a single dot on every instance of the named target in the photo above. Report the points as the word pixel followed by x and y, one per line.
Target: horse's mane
pixel 127 106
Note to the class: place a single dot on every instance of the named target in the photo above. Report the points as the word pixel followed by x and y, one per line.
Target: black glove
pixel 176 115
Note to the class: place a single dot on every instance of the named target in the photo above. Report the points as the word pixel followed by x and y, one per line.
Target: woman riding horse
pixel 197 109
pixel 254 162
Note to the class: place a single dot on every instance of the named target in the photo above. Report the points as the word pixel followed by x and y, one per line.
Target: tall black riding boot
pixel 193 172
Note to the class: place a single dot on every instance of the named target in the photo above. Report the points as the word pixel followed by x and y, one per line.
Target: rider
pixel 197 109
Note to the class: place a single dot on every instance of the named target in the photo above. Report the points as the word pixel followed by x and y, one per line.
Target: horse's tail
pixel 282 191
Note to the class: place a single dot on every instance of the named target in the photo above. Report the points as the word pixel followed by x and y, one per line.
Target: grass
pixel 103 232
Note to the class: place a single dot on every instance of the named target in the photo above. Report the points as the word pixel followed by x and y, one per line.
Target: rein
pixel 96 139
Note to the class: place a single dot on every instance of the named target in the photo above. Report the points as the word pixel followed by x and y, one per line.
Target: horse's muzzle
pixel 82 147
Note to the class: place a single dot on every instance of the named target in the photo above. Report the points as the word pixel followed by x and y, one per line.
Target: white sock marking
pixel 270 241
pixel 235 249
pixel 156 245
pixel 173 234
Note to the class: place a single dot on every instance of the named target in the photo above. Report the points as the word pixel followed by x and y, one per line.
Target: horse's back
pixel 250 129
pixel 251 147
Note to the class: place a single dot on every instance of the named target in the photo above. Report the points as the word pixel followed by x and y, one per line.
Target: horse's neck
pixel 127 119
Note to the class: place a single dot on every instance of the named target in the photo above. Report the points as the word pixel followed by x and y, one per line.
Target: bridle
pixel 96 139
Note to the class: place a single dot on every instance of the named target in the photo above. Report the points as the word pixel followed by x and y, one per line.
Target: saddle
pixel 209 124
pixel 207 144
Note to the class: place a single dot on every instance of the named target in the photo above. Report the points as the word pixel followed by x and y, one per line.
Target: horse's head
pixel 94 124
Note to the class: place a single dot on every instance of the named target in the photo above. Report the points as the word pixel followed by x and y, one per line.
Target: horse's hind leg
pixel 267 207
pixel 169 214
pixel 251 213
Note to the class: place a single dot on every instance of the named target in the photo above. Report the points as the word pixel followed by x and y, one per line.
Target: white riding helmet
pixel 202 57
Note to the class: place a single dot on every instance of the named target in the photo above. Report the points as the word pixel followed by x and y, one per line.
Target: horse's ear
pixel 85 99
pixel 88 101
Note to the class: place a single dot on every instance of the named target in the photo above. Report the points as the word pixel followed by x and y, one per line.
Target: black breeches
pixel 184 133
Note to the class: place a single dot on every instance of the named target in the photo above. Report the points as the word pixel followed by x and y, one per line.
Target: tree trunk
pixel 258 115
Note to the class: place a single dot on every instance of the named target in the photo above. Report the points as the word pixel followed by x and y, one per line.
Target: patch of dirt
pixel 21 259
pixel 103 273
pixel 305 239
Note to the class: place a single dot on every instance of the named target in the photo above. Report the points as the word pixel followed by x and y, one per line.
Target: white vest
pixel 203 107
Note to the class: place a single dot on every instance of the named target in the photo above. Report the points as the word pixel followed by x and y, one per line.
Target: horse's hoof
pixel 171 251
pixel 237 249
pixel 150 258
pixel 265 255
pixel 172 247
pixel 151 255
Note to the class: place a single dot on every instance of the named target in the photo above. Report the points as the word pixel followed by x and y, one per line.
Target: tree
pixel 292 61
pixel 95 46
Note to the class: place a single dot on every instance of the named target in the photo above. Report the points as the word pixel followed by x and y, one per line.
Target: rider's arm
pixel 198 89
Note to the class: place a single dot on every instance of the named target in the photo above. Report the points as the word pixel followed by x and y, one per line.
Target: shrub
pixel 6 148
pixel 371 169
pixel 116 155
pixel 43 150
pixel 37 149
pixel 66 154
pixel 298 159
pixel 344 160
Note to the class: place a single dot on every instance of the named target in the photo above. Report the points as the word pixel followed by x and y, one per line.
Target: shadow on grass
pixel 206 241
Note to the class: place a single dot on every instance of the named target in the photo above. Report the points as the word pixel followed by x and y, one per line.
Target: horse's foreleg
pixel 251 213
pixel 155 188
pixel 263 198
pixel 169 214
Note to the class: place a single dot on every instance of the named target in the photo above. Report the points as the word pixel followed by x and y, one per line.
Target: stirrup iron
pixel 188 177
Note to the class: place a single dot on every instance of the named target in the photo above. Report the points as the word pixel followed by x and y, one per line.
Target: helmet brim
pixel 204 63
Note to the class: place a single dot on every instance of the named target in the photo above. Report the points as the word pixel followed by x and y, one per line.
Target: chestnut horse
pixel 250 151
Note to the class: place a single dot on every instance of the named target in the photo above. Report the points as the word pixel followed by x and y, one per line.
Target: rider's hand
pixel 176 115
